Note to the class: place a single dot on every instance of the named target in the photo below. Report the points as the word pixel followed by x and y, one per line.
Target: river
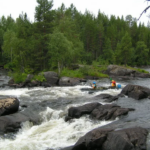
pixel 53 132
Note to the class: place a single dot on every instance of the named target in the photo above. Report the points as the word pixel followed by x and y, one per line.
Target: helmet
pixel 94 82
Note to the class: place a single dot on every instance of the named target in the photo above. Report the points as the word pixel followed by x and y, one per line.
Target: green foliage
pixel 141 53
pixel 60 49
pixel 85 71
pixel 138 69
pixel 126 49
pixel 142 71
pixel 107 51
pixel 19 77
pixel 71 73
pixel 40 77
pixel 63 36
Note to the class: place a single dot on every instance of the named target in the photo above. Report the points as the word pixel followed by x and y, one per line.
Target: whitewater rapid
pixel 53 132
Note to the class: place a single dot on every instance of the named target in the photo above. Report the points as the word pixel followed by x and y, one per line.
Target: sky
pixel 108 7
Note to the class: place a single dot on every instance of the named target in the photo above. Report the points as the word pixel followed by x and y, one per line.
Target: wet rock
pixel 8 106
pixel 92 140
pixel 77 112
pixel 67 81
pixel 108 98
pixel 97 111
pixel 136 91
pixel 108 112
pixel 109 139
pixel 13 122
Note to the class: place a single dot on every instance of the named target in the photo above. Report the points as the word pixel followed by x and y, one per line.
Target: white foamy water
pixel 54 132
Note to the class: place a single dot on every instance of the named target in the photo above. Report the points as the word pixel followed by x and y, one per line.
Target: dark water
pixel 54 132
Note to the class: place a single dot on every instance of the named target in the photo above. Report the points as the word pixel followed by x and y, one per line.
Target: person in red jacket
pixel 113 83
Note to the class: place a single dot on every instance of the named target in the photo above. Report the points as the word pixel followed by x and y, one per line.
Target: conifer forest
pixel 63 36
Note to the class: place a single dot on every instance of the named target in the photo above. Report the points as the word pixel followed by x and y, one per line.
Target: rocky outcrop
pixel 109 112
pixel 109 139
pixel 136 91
pixel 67 81
pixel 97 111
pixel 11 123
pixel 124 73
pixel 107 97
pixel 51 77
pixel 77 112
pixel 8 106
pixel 27 112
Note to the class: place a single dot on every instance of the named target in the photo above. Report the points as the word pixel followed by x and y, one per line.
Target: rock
pixel 93 140
pixel 51 77
pixel 11 81
pixel 97 111
pixel 108 98
pixel 33 83
pixel 124 73
pixel 109 139
pixel 8 106
pixel 104 96
pixel 126 139
pixel 136 91
pixel 142 75
pixel 12 123
pixel 119 71
pixel 67 81
pixel 77 112
pixel 29 78
pixel 108 112
pixel 45 84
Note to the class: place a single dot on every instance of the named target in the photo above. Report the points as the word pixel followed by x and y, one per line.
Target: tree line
pixel 64 36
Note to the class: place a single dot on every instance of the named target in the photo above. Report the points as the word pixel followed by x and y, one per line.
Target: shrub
pixel 19 77
pixel 71 73
pixel 40 77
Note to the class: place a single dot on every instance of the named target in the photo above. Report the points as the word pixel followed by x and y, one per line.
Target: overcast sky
pixel 109 7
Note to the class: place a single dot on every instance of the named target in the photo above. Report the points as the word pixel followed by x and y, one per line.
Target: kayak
pixel 90 90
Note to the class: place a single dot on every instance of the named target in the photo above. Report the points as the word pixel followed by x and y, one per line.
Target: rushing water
pixel 54 132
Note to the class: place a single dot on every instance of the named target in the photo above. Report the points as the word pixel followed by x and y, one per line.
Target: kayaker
pixel 94 85
pixel 113 83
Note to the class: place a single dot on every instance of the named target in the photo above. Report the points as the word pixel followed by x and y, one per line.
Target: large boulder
pixel 107 97
pixel 67 81
pixel 51 77
pixel 11 123
pixel 109 139
pixel 119 71
pixel 97 111
pixel 109 112
pixel 8 106
pixel 123 72
pixel 77 112
pixel 136 91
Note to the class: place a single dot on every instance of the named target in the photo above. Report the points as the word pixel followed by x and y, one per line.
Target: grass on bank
pixel 138 69
pixel 84 70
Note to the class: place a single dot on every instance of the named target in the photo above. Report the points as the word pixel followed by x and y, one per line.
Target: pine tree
pixel 126 49
pixel 44 17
